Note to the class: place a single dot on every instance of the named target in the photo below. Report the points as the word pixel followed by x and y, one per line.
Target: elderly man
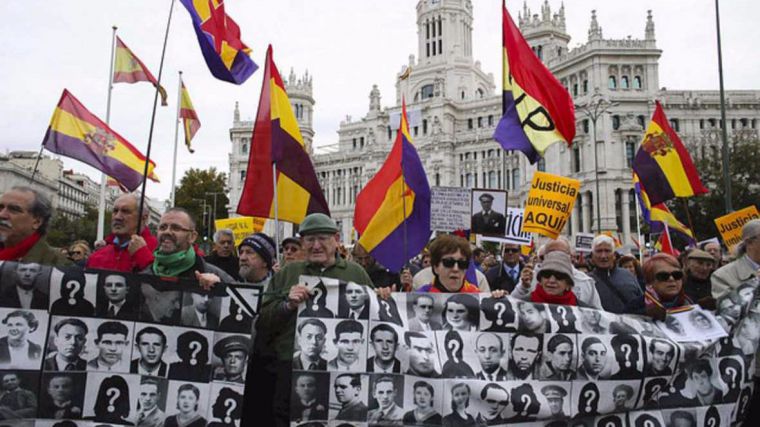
pixel 699 266
pixel 746 265
pixel 223 255
pixel 507 274
pixel 24 218
pixel 256 254
pixel 713 248
pixel 25 295
pixel 273 348
pixel 125 250
pixel 618 290
pixel 488 221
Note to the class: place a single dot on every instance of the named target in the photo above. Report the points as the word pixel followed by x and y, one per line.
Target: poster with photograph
pixel 449 208
pixel 108 348
pixel 488 212
pixel 691 325
pixel 471 359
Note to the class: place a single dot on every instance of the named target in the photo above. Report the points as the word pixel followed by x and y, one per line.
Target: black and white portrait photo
pixel 22 336
pixel 349 342
pixel 461 312
pixel 386 400
pixel 116 297
pixel 193 351
pixel 488 208
pixel 160 305
pixel 309 400
pixel 525 356
pixel 423 313
pixel 353 301
pixel 25 285
pixel 731 369
pixel 18 394
pixel 593 322
pixel 494 399
pixel 200 310
pixel 230 357
pixel 150 345
pixel 559 358
pixel 422 402
pixel 61 395
pixel 112 341
pixel 110 398
pixel 565 318
pixel 557 400
pixel 453 347
pixel 234 317
pixel 532 318
pixel 422 354
pixel 66 345
pixel 187 404
pixel 525 402
pixel 682 417
pixel 460 405
pixel 594 359
pixel 392 309
pixel 348 400
pixel 322 304
pixel 490 349
pixel 383 347
pixel 311 337
pixel 498 315
pixel 72 292
pixel 627 353
pixel 151 402
pixel 661 357
pixel 226 405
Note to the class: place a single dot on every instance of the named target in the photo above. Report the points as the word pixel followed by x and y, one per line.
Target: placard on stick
pixel 730 226
pixel 550 203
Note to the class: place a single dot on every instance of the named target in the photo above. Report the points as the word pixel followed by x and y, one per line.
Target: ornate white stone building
pixel 455 106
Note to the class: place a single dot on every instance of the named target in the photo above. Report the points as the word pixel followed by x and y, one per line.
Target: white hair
pixel 750 230
pixel 602 239
pixel 223 232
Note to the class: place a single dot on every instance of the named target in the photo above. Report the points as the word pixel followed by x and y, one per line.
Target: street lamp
pixel 595 108
pixel 214 212
pixel 203 219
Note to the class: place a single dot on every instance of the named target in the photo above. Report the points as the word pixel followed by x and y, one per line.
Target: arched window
pixel 479 93
pixel 615 122
pixel 612 84
pixel 637 82
pixel 585 87
pixel 426 91
pixel 624 82
pixel 540 52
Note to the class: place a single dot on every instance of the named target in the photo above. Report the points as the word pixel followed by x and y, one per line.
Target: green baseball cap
pixel 317 223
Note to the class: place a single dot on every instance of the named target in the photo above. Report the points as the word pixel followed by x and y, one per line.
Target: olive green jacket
pixel 275 328
pixel 44 254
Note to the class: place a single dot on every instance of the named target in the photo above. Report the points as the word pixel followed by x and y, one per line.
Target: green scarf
pixel 171 265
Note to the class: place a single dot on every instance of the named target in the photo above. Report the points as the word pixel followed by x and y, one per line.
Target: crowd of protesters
pixel 604 279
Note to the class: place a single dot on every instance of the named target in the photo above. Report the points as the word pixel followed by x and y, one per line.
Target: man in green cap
pixel 269 381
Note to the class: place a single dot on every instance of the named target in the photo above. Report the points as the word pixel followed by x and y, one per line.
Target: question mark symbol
pixel 196 347
pixel 231 405
pixel 73 286
pixel 317 296
pixel 563 314
pixel 113 393
pixel 731 373
pixel 649 423
pixel 500 308
pixel 453 345
pixel 387 308
pixel 626 349
pixel 655 391
pixel 527 401
pixel 610 424
pixel 712 422
pixel 239 315
pixel 745 398
pixel 591 397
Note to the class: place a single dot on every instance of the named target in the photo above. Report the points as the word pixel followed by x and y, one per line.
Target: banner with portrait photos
pixel 432 359
pixel 107 348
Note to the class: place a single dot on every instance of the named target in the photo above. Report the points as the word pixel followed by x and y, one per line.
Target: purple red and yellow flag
pixel 663 164
pixel 658 216
pixel 538 110
pixel 277 138
pixel 393 209
pixel 227 57
pixel 77 133
pixel 190 122
pixel 128 68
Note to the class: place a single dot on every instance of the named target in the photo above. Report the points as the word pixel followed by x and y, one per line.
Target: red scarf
pixel 540 295
pixel 17 252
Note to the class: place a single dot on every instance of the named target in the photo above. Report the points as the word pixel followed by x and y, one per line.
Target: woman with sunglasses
pixel 664 278
pixel 555 282
pixel 450 258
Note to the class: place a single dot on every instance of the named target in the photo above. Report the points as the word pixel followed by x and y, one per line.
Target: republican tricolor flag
pixel 277 140
pixel 537 109
pixel 392 213
pixel 127 68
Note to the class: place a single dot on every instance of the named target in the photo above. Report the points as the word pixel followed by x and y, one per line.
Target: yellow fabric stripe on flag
pixel 292 200
pixel 125 63
pixel 389 215
pixel 526 110
pixel 281 109
pixel 203 8
pixel 671 165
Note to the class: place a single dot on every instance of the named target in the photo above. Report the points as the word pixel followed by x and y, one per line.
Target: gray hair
pixel 136 197
pixel 41 207
pixel 750 230
pixel 601 240
pixel 223 232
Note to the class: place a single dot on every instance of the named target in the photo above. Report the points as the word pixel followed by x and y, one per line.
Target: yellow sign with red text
pixel 550 203
pixel 730 226
pixel 241 226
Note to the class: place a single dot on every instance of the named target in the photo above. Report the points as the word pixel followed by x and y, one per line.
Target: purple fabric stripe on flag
pixel 68 146
pixel 652 178
pixel 509 132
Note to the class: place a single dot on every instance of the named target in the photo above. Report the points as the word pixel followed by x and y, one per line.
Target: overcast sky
pixel 347 46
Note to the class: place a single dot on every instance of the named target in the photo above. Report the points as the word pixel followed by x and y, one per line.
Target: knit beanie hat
pixel 559 262
pixel 263 245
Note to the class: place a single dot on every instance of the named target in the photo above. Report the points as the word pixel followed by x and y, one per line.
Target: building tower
pixel 545 33
pixel 300 94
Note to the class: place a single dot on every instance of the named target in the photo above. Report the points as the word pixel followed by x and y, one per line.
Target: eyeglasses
pixel 75 252
pixel 450 262
pixel 664 276
pixel 549 273
pixel 511 250
pixel 174 228
pixel 289 248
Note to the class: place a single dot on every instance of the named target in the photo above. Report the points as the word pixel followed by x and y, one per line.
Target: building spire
pixel 594 31
pixel 650 26
pixel 236 114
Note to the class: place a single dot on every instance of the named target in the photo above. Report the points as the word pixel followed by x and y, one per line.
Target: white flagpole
pixel 276 211
pixel 102 204
pixel 642 246
pixel 176 137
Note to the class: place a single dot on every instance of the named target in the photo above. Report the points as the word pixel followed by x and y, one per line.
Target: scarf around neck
pixel 17 252
pixel 540 295
pixel 172 265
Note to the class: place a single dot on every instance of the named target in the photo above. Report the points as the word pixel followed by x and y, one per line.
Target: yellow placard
pixel 730 226
pixel 241 226
pixel 550 203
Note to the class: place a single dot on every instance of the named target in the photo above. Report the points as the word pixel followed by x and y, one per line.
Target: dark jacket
pixel 498 278
pixel 697 289
pixel 44 254
pixel 35 351
pixel 230 264
pixel 10 299
pixel 619 291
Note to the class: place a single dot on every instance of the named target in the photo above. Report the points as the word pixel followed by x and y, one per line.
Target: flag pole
pixel 638 229
pixel 688 216
pixel 403 178
pixel 724 128
pixel 276 210
pixel 36 163
pixel 153 120
pixel 176 136
pixel 102 202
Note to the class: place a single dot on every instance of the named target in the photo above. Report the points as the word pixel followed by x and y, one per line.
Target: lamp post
pixel 594 108
pixel 214 212
pixel 203 214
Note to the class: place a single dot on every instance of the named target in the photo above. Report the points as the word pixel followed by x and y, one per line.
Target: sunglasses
pixel 511 250
pixel 549 273
pixel 663 276
pixel 449 263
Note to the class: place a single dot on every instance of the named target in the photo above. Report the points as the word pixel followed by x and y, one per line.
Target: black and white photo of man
pixel 555 397
pixel 423 315
pixel 532 318
pixel 233 352
pixel 70 336
pixel 200 313
pixel 621 396
pixel 149 414
pixel 700 320
pixel 682 418
pixel 525 356
pixel 62 397
pixel 384 341
pixel 593 359
pixel 490 350
pixel 422 355
pixel 489 219
pixel 308 401
pixel 388 412
pixel 661 354
pixel 118 304
pixel 151 345
pixel 16 401
pixel 700 373
pixel 559 361
pixel 349 340
pixel 112 338
pixel 24 294
pixel 311 337
pixel 495 399
pixel 16 349
pixel 354 302
pixel 591 322
pixel 348 393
